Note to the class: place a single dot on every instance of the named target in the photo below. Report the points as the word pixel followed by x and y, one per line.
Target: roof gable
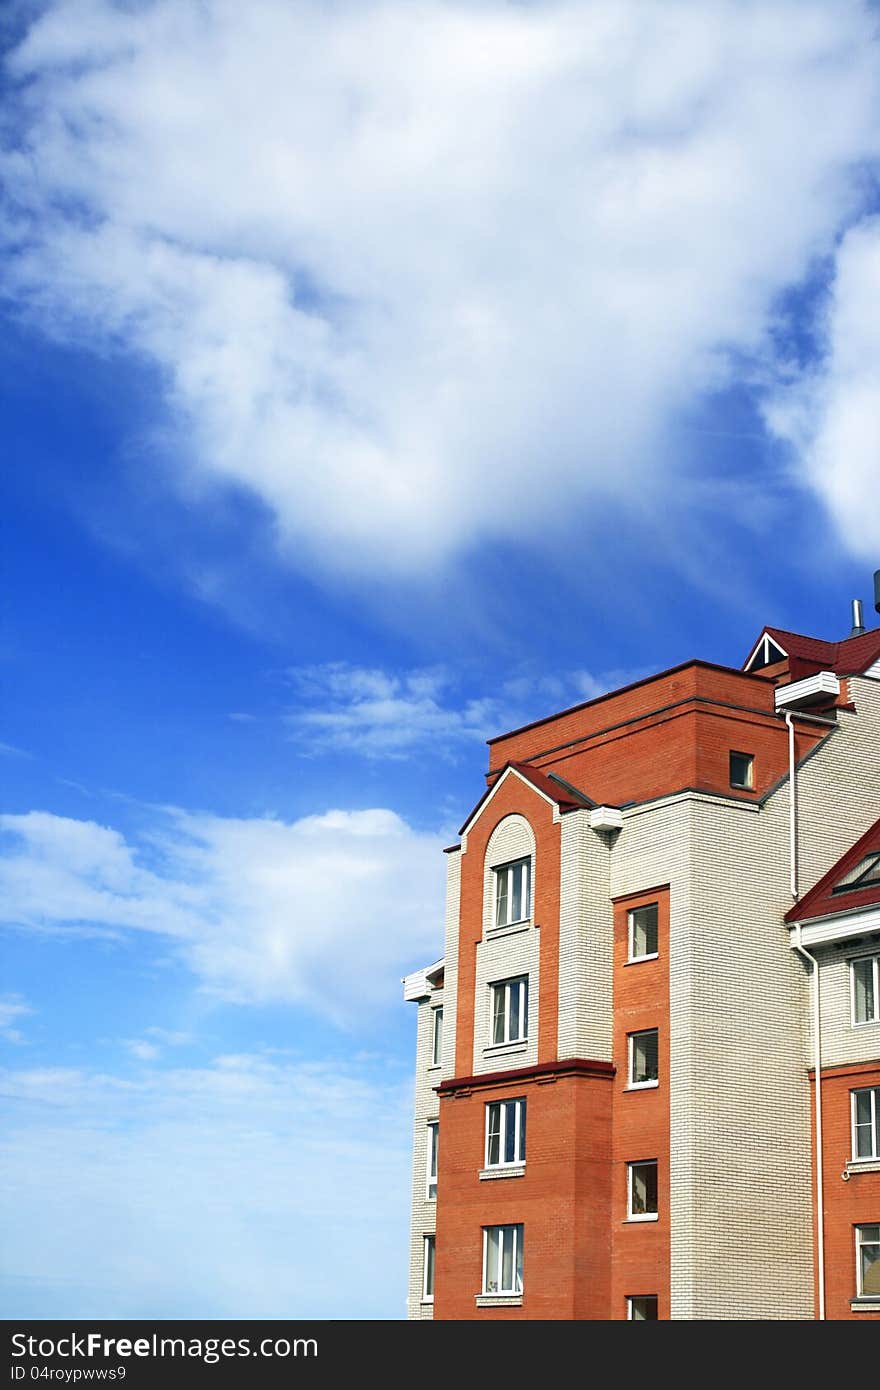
pixel 852 883
pixel 552 788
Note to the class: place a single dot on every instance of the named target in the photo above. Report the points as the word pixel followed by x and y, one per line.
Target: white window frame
pixel 649 955
pixel 856 960
pixel 437 1036
pixel 865 1226
pixel 633 1085
pixel 518 1247
pixel 519 1115
pixel 433 1128
pixel 630 1170
pixel 874 1093
pixel 634 1298
pixel 426 1242
pixel 507 871
pixel 522 1020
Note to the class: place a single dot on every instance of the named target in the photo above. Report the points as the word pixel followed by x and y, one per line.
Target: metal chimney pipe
pixel 858 621
pixel 877 590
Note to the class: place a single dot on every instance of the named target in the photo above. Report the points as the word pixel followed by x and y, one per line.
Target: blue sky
pixel 375 377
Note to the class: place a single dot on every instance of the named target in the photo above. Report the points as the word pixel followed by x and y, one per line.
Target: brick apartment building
pixel 660 989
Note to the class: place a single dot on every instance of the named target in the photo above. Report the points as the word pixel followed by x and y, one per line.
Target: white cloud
pixel 12 1007
pixel 832 414
pixel 141 1049
pixel 235 1189
pixel 326 911
pixel 386 714
pixel 421 275
pixel 380 714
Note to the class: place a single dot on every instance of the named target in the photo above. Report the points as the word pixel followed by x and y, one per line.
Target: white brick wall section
pixel 839 786
pixel 450 971
pixel 505 952
pixel 426 1108
pixel 502 958
pixel 842 1041
pixel 585 941
pixel 749 1101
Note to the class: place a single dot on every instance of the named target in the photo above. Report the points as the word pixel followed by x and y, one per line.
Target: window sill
pixel 499 1300
pixel 427 1303
pixel 865 1305
pixel 640 960
pixel 509 929
pixel 506 1049
pixel 433 1066
pixel 637 1220
pixel 642 1086
pixel 509 1170
pixel 863 1165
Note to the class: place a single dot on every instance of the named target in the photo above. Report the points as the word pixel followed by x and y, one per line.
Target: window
pixel 510 1010
pixel 643 1050
pixel 643 932
pixel 502 1259
pixel 868 1261
pixel 742 770
pixel 513 892
pixel 865 990
pixel 866 874
pixel 642 1191
pixel 505 1133
pixel 642 1308
pixel 433 1137
pixel 428 1282
pixel 866 1123
pixel 437 1037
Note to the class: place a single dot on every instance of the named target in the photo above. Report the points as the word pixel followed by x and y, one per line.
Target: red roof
pixel 822 901
pixel 567 797
pixel 850 657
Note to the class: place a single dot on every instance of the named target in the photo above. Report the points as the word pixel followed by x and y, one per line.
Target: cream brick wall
pixel 839 786
pixel 505 952
pixel 426 1108
pixel 841 1040
pixel 450 973
pixel 585 940
pixel 501 957
pixel 743 1249
pixel 428 1076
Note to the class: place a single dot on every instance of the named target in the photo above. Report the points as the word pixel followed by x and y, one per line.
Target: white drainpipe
pixel 790 716
pixel 792 804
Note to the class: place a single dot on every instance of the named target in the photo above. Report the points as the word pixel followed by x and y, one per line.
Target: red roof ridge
pixel 566 796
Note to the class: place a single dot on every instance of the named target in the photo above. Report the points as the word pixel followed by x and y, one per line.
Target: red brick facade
pixel 850 1201
pixel 562 1199
pixel 640 1118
